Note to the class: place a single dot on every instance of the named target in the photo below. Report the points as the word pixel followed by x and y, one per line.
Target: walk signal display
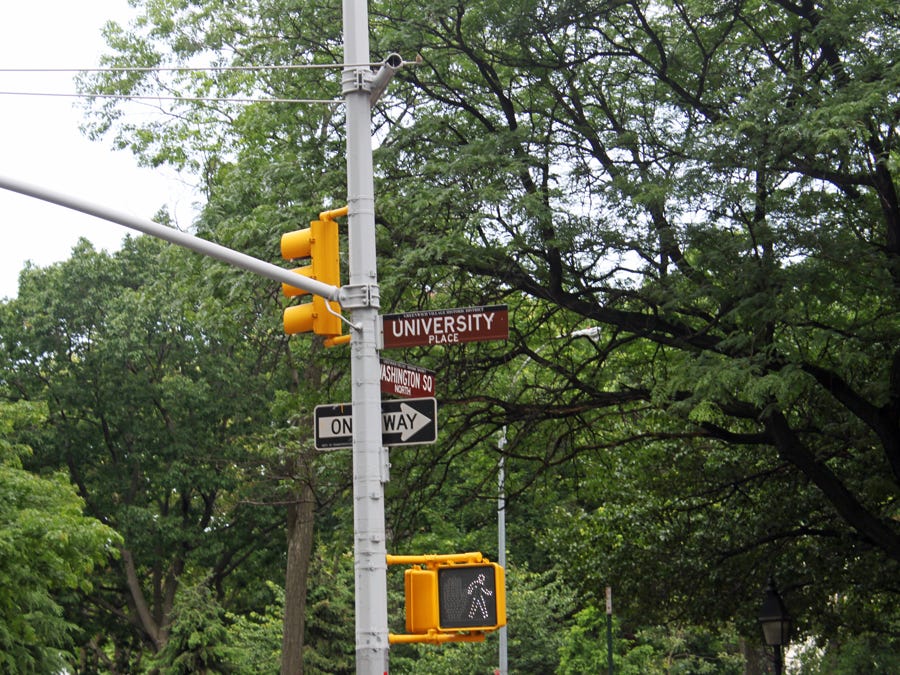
pixel 470 597
pixel 455 597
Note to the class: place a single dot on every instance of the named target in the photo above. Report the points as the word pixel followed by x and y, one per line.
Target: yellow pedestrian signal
pixel 421 591
pixel 456 597
pixel 320 243
pixel 471 597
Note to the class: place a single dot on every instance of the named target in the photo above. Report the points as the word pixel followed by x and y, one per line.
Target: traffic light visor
pixel 296 244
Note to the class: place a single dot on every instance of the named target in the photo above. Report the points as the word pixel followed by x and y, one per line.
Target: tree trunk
pixel 299 546
pixel 144 614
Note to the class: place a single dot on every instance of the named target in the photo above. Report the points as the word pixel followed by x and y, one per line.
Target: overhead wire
pixel 143 69
pixel 184 99
pixel 184 69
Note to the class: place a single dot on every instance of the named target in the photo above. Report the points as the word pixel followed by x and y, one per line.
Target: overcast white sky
pixel 40 141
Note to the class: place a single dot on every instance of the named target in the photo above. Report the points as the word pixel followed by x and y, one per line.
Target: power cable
pixel 170 69
pixel 184 99
pixel 188 69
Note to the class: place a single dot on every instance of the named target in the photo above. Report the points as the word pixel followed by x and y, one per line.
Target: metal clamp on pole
pixel 362 78
pixel 354 79
pixel 357 296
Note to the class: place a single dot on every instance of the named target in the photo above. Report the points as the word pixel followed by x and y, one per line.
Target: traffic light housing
pixel 450 596
pixel 320 243
pixel 421 591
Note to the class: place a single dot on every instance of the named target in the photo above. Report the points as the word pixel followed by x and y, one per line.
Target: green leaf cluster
pixel 49 554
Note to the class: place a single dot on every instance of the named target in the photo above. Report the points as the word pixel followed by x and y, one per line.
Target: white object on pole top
pixel 383 75
pixel 593 332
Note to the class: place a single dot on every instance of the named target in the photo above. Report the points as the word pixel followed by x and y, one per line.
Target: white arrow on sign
pixel 407 421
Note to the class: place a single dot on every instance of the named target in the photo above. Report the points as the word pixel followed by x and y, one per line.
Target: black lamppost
pixel 775 622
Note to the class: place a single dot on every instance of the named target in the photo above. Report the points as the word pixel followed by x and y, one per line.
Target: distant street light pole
pixel 501 543
pixel 609 636
pixel 592 333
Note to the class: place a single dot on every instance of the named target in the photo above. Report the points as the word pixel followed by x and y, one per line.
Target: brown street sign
pixel 401 379
pixel 445 326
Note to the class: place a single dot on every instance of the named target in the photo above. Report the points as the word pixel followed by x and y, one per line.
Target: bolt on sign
pixel 445 326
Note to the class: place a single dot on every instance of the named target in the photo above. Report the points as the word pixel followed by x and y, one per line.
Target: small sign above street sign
pixel 401 379
pixel 403 422
pixel 445 326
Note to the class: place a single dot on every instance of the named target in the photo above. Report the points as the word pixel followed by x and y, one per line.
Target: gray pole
pixel 501 544
pixel 609 640
pixel 591 333
pixel 361 298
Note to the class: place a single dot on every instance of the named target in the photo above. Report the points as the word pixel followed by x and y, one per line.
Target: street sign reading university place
pixel 411 421
pixel 445 326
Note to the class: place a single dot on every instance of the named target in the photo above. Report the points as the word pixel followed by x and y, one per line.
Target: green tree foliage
pixel 651 651
pixel 330 645
pixel 714 184
pixel 198 640
pixel 49 554
pixel 152 398
pixel 256 637
pixel 858 654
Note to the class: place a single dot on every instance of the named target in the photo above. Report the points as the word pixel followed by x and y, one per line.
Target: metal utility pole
pixel 501 546
pixel 609 639
pixel 361 298
pixel 592 333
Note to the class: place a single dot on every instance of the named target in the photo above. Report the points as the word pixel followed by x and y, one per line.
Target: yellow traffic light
pixel 456 597
pixel 320 243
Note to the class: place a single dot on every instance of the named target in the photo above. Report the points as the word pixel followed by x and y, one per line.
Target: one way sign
pixel 411 421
